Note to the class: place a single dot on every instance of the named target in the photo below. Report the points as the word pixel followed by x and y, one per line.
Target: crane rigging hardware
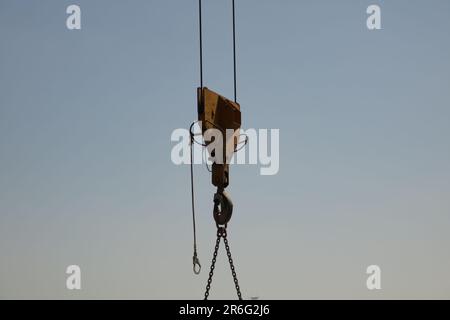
pixel 217 112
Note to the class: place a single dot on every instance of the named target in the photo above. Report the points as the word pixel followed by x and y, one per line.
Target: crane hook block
pixel 218 112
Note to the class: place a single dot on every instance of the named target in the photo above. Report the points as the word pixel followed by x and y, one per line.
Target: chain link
pixel 213 265
pixel 222 233
pixel 233 271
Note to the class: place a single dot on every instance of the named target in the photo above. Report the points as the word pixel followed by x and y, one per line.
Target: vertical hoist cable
pixel 201 46
pixel 200 37
pixel 234 52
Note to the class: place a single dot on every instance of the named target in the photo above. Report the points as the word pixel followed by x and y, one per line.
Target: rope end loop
pixel 196 266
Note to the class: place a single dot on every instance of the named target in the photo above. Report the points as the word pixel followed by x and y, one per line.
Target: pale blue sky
pixel 85 171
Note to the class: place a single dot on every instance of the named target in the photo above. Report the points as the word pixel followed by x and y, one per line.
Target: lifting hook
pixel 223 208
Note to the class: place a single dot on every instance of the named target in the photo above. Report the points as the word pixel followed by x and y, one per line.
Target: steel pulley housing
pixel 218 112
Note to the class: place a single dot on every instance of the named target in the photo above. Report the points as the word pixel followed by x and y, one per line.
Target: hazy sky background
pixel 85 170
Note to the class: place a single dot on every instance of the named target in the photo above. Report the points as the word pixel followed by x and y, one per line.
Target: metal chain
pixel 213 264
pixel 233 271
pixel 222 233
